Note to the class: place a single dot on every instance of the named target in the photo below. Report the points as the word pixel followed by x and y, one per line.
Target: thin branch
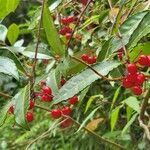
pixel 100 138
pixel 5 95
pixel 37 46
pixel 77 23
pixel 100 75
pixel 41 107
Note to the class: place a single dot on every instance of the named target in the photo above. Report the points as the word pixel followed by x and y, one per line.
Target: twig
pixel 5 95
pixel 77 23
pixel 41 107
pixel 100 138
pixel 100 75
pixel 37 46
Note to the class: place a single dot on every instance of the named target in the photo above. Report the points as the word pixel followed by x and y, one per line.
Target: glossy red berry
pixel 62 82
pixel 71 19
pixel 47 90
pixel 137 90
pixel 132 68
pixel 140 79
pixel 46 98
pixel 11 109
pixel 67 29
pixel 90 60
pixel 94 59
pixel 64 21
pixel 31 104
pixel 84 57
pixel 29 116
pixel 56 113
pixel 68 36
pixel 62 31
pixel 132 77
pixel 73 100
pixel 143 60
pixel 66 123
pixel 127 83
pixel 66 111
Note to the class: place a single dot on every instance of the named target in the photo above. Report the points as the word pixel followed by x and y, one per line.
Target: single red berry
pixel 94 59
pixel 66 111
pixel 73 100
pixel 90 60
pixel 68 36
pixel 140 79
pixel 47 90
pixel 66 123
pixel 29 116
pixel 62 82
pixel 46 98
pixel 11 109
pixel 62 31
pixel 137 90
pixel 143 60
pixel 132 68
pixel 127 83
pixel 84 2
pixel 71 19
pixel 84 57
pixel 31 104
pixel 56 113
pixel 132 77
pixel 148 61
pixel 68 29
pixel 64 20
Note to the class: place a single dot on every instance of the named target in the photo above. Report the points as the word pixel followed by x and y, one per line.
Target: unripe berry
pixel 56 113
pixel 137 90
pixel 132 68
pixel 143 60
pixel 47 90
pixel 11 109
pixel 46 98
pixel 73 100
pixel 66 111
pixel 31 104
pixel 66 123
pixel 84 57
pixel 29 116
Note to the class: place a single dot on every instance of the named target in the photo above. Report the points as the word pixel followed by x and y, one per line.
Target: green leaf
pixel 13 33
pixel 91 99
pixel 87 118
pixel 3 33
pixel 55 5
pixel 21 103
pixel 3 113
pixel 82 80
pixel 51 33
pixel 142 30
pixel 7 66
pixel 8 53
pixel 114 117
pixel 133 103
pixel 126 30
pixel 129 123
pixel 7 6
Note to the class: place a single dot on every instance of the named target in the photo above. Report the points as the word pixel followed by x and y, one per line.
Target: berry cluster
pixel 144 60
pixel 65 111
pixel 89 59
pixel 66 30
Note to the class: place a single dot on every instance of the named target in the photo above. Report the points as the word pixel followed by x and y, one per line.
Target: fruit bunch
pixel 134 79
pixel 66 30
pixel 89 59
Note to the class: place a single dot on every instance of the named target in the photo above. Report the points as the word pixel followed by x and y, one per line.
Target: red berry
pixel 143 60
pixel 66 111
pixel 90 60
pixel 62 82
pixel 56 113
pixel 68 36
pixel 64 21
pixel 47 90
pixel 84 2
pixel 11 109
pixel 148 61
pixel 31 104
pixel 73 100
pixel 29 116
pixel 71 19
pixel 140 79
pixel 94 59
pixel 66 123
pixel 127 83
pixel 137 90
pixel 68 29
pixel 132 68
pixel 84 57
pixel 46 98
pixel 132 77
